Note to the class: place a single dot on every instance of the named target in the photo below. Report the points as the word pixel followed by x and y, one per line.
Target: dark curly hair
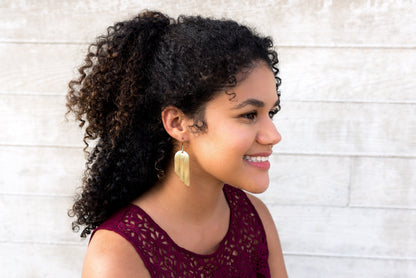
pixel 129 76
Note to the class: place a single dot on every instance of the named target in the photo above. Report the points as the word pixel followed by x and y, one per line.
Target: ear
pixel 175 123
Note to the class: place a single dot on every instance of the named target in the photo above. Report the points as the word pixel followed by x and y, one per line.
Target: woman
pixel 180 112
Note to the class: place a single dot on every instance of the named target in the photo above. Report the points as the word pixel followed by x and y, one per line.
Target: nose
pixel 268 134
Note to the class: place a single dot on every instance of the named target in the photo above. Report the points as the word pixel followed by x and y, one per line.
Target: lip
pixel 263 165
pixel 260 154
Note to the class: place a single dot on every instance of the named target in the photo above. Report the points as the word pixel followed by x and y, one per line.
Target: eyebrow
pixel 253 102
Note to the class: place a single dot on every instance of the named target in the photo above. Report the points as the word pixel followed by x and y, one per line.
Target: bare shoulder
pixel 276 262
pixel 110 255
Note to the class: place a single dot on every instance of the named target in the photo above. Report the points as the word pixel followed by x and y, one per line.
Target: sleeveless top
pixel 243 251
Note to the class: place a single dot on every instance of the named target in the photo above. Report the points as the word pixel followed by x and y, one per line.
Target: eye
pixel 250 116
pixel 273 112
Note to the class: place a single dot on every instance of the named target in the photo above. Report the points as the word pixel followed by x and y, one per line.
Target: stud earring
pixel 182 165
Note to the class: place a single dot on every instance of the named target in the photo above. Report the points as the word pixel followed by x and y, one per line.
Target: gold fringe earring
pixel 182 165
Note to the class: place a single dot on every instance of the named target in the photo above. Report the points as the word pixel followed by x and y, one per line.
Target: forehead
pixel 259 84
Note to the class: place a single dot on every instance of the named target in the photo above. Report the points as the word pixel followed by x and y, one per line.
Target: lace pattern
pixel 242 253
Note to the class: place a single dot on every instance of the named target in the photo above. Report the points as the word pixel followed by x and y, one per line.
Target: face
pixel 236 146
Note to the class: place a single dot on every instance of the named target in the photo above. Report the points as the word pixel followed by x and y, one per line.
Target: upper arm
pixel 276 262
pixel 109 255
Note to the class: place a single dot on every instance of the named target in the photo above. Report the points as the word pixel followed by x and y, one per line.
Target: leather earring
pixel 182 165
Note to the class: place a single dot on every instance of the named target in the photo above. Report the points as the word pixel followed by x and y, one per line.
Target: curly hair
pixel 129 76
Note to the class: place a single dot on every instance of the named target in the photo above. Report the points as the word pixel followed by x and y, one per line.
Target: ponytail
pixel 105 98
pixel 113 79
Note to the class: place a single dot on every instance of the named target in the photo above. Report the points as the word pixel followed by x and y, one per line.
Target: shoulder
pixel 276 262
pixel 110 255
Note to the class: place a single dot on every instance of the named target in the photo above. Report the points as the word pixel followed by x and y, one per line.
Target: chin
pixel 256 188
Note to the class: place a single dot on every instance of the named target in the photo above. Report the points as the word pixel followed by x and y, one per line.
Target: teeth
pixel 256 158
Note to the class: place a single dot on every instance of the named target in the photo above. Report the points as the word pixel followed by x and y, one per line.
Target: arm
pixel 276 262
pixel 109 255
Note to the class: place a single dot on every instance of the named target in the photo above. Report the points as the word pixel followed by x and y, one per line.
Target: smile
pixel 256 158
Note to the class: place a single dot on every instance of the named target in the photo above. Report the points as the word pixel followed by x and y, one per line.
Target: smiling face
pixel 238 141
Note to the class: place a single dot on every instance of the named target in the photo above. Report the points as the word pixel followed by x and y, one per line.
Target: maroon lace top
pixel 242 253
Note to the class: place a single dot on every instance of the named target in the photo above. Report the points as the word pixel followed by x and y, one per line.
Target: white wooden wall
pixel 343 191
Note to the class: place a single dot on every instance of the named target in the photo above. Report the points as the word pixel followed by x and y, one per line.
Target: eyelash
pixel 252 115
pixel 273 112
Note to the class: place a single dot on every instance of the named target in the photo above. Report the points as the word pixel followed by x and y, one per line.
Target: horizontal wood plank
pixel 308 180
pixel 336 128
pixel 37 219
pixel 375 182
pixel 38 68
pixel 37 120
pixel 370 23
pixel 312 230
pixel 44 171
pixel 348 75
pixel 388 182
pixel 347 129
pixel 68 260
pixel 328 74
pixel 332 267
pixel 41 260
pixel 57 171
pixel 347 232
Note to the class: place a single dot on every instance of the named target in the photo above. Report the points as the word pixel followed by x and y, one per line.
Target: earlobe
pixel 174 122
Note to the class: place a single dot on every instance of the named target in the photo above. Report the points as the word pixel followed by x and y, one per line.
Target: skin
pixel 197 217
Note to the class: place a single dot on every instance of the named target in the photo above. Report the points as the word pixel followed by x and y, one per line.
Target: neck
pixel 196 203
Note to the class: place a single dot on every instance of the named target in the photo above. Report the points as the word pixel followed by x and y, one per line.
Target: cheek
pixel 239 139
pixel 229 145
pixel 224 143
